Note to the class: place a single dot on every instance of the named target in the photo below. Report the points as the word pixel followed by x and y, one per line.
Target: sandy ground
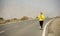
pixel 55 28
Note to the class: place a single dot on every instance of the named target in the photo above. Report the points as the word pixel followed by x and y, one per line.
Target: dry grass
pixel 2 21
pixel 24 18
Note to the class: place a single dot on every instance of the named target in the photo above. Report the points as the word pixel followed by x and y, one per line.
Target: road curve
pixel 25 28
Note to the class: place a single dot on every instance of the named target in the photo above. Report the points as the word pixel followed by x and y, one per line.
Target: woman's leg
pixel 41 24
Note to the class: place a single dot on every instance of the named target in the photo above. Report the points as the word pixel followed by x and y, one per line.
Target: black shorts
pixel 41 23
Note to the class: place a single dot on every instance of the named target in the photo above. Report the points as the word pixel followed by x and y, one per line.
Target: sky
pixel 32 8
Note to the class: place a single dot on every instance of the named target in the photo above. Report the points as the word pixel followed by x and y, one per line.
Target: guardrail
pixel 46 28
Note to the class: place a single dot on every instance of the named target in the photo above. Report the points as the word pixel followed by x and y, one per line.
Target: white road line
pixel 43 34
pixel 2 31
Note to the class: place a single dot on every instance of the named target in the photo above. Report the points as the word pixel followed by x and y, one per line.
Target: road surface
pixel 25 28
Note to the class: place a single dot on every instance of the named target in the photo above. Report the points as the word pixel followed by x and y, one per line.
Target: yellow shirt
pixel 41 17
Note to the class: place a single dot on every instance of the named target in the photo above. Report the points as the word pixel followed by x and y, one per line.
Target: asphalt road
pixel 25 28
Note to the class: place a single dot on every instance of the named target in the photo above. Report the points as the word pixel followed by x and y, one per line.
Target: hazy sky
pixel 19 8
